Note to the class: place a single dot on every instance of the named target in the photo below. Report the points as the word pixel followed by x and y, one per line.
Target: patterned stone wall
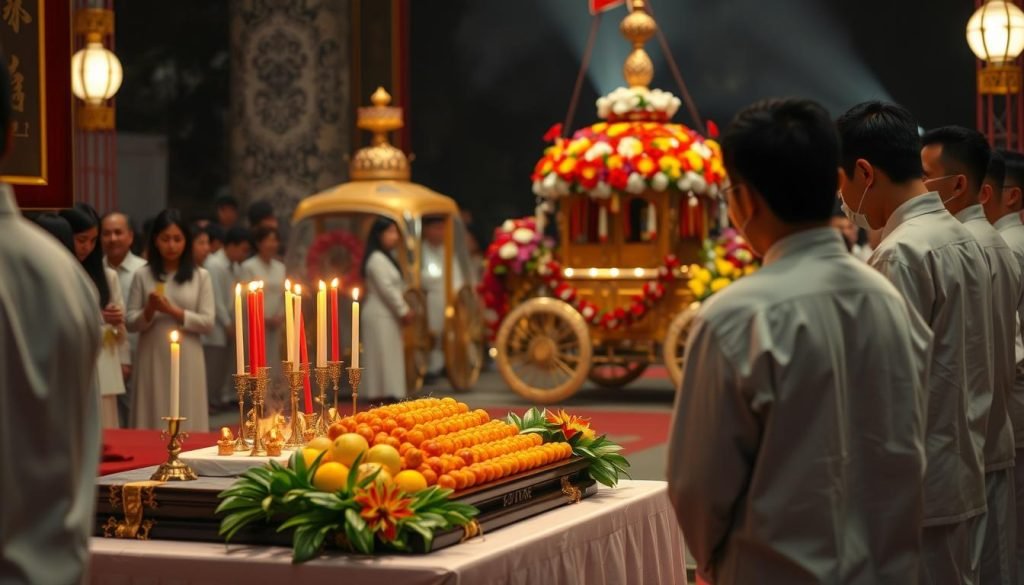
pixel 290 106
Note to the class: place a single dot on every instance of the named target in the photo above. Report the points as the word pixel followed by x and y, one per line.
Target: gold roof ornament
pixel 380 160
pixel 638 27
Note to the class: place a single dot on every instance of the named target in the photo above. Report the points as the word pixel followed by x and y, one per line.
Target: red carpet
pixel 125 449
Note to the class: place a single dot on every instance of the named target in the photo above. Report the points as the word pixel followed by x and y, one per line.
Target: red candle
pixel 304 359
pixel 334 321
pixel 250 300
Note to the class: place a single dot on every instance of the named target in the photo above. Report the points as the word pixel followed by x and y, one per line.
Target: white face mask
pixel 858 218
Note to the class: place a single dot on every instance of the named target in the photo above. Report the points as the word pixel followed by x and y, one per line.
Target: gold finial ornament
pixel 380 160
pixel 638 27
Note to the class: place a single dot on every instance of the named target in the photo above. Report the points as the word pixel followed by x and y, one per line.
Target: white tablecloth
pixel 622 536
pixel 206 463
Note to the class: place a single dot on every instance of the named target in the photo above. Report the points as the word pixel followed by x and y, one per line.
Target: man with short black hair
pixel 261 214
pixel 226 207
pixel 1003 200
pixel 796 449
pixel 940 268
pixel 955 161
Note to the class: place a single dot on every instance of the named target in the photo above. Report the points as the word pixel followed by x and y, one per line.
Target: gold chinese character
pixel 17 85
pixel 15 14
pixel 20 129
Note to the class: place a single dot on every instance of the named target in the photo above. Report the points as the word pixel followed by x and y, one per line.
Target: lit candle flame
pixel 252 287
pixel 238 289
pixel 287 284
pixel 298 289
pixel 334 283
pixel 355 294
pixel 323 285
pixel 174 336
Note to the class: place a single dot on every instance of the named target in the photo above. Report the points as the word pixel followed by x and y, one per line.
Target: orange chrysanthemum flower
pixel 570 425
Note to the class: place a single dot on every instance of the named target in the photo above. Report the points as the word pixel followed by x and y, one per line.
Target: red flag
pixel 603 5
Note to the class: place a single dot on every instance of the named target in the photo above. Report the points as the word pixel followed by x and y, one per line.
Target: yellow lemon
pixel 347 447
pixel 367 469
pixel 331 477
pixel 310 455
pixel 697 287
pixel 319 443
pixel 410 481
pixel 387 456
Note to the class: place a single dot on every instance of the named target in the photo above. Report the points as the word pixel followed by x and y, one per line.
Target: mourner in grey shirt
pixel 796 450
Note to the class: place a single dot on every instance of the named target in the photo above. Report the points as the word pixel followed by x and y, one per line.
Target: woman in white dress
pixel 266 267
pixel 172 293
pixel 115 350
pixel 384 313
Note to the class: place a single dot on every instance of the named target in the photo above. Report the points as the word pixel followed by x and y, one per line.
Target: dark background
pixel 488 77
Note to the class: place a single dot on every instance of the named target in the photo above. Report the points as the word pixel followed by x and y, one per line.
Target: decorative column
pixel 290 102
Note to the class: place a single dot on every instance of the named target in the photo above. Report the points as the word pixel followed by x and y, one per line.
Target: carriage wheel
pixel 674 349
pixel 418 341
pixel 464 340
pixel 544 350
pixel 616 374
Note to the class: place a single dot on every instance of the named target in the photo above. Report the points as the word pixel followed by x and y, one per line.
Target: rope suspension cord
pixel 595 24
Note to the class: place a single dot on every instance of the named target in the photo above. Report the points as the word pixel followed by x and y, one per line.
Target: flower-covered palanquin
pixel 605 291
pixel 329 232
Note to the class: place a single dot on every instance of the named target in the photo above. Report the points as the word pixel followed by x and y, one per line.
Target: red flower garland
pixel 323 244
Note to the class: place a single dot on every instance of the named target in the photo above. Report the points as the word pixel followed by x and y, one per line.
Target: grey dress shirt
pixel 796 449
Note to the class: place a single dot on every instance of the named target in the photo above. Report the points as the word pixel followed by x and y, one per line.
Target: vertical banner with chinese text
pixel 36 39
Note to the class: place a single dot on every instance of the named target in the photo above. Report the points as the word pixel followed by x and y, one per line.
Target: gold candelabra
pixel 322 375
pixel 335 370
pixel 311 426
pixel 241 385
pixel 259 391
pixel 355 376
pixel 295 378
pixel 174 469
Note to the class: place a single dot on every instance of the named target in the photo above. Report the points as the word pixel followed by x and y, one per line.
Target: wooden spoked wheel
pixel 418 341
pixel 544 350
pixel 464 340
pixel 616 374
pixel 674 349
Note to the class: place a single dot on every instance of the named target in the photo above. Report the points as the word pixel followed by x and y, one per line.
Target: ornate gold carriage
pixel 633 198
pixel 329 231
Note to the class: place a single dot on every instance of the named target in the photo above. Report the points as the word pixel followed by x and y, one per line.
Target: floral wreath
pixel 323 244
pixel 726 259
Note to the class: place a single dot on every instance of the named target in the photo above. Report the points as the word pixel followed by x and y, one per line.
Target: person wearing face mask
pixel 796 449
pixel 1001 198
pixel 940 268
pixel 171 294
pixel 84 224
pixel 955 160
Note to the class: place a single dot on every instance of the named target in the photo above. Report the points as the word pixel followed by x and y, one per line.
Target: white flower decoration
pixel 508 226
pixel 597 151
pixel 629 147
pixel 601 191
pixel 523 235
pixel 660 181
pixel 635 184
pixel 508 251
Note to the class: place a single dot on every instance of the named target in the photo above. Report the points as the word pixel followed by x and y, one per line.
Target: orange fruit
pixel 410 481
pixel 447 446
pixel 446 481
pixel 335 430
pixel 399 433
pixel 415 437
pixel 414 457
pixel 330 477
pixel 429 475
pixel 347 447
pixel 479 474
pixel 385 455
pixel 366 432
pixel 320 443
pixel 390 424
pixel 367 469
pixel 436 464
pixel 380 438
pixel 460 479
pixel 431 447
pixel 309 456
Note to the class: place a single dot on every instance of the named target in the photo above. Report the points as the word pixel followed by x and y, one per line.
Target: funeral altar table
pixel 623 535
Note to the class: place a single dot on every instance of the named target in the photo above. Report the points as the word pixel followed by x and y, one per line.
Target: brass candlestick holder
pixel 335 370
pixel 355 376
pixel 294 376
pixel 260 382
pixel 311 428
pixel 174 469
pixel 241 385
pixel 322 375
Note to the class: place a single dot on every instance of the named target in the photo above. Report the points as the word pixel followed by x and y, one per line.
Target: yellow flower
pixel 547 166
pixel 704 275
pixel 697 287
pixel 715 148
pixel 617 129
pixel 645 166
pixel 723 267
pixel 554 151
pixel 719 251
pixel 749 269
pixel 614 162
pixel 599 127
pixel 719 283
pixel 695 160
pixel 579 146
pixel 571 425
pixel 671 166
pixel 566 166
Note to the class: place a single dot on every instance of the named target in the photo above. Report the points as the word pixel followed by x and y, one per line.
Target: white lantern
pixel 96 73
pixel 995 32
